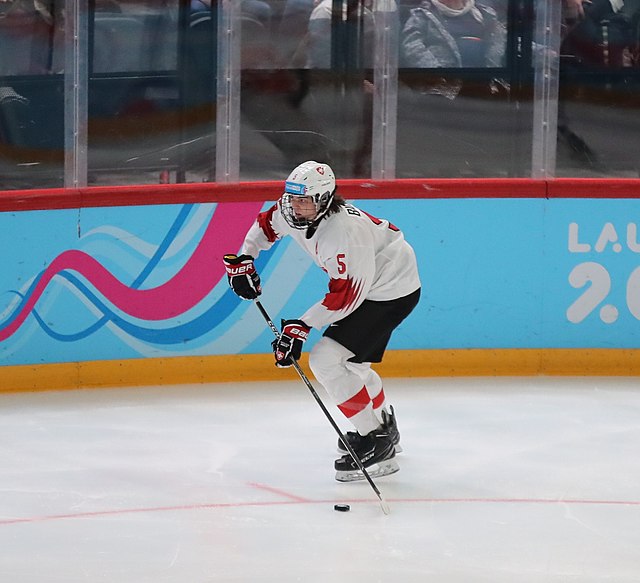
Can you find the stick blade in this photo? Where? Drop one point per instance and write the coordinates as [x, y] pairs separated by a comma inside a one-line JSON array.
[[385, 506]]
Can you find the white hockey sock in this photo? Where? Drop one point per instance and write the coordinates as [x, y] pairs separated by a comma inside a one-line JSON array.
[[328, 361], [371, 379]]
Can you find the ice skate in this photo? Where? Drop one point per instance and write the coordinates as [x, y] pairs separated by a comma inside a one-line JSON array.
[[389, 426], [376, 452]]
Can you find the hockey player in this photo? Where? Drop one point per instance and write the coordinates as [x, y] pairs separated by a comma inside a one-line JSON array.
[[373, 286]]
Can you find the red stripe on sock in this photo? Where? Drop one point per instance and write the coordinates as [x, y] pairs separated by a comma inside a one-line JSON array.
[[378, 399], [355, 404]]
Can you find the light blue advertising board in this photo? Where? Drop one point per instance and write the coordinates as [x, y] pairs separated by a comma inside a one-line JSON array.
[[131, 282]]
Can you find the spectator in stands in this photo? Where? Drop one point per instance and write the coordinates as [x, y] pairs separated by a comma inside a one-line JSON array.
[[572, 10], [257, 9], [31, 32], [316, 47], [453, 33], [42, 7], [588, 28], [292, 29], [600, 33], [318, 40]]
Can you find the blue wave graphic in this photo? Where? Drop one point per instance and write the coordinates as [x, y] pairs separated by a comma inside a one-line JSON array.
[[24, 297], [174, 335]]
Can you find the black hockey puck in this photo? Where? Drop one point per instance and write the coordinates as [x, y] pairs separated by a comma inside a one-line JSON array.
[[342, 507]]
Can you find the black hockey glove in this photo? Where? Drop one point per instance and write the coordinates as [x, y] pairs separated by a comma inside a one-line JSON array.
[[243, 277], [289, 346]]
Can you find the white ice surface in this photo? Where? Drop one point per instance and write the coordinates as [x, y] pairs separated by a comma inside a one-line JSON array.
[[533, 480]]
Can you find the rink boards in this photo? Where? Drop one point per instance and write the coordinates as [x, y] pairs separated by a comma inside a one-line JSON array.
[[521, 278]]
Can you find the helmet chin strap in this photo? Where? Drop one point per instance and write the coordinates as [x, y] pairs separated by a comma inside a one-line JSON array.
[[313, 227]]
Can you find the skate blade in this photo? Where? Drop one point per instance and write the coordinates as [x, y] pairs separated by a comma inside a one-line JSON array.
[[378, 470], [344, 451]]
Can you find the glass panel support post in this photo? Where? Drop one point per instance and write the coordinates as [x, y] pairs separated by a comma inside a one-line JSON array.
[[546, 62], [228, 92], [385, 90], [76, 90]]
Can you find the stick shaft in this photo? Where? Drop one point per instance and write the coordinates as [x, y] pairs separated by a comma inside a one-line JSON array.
[[328, 415]]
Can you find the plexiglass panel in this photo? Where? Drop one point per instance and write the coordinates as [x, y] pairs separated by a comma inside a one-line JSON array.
[[464, 93], [306, 86], [137, 126], [31, 94], [376, 88], [599, 102]]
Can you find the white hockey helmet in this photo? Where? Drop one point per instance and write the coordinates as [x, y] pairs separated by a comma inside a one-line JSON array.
[[312, 179]]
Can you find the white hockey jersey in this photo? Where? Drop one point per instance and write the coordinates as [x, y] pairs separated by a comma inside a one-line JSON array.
[[366, 258]]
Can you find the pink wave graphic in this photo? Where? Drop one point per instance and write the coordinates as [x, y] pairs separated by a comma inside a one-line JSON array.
[[197, 277]]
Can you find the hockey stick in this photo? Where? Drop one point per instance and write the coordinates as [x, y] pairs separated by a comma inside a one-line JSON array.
[[303, 376]]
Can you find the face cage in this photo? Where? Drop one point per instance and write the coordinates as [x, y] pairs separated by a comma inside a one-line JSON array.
[[290, 215], [321, 202]]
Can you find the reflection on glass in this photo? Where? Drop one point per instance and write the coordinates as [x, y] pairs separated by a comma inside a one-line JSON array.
[[598, 117], [30, 37], [31, 96], [312, 99], [459, 113], [600, 33], [453, 33], [361, 22], [306, 74], [138, 35], [135, 110]]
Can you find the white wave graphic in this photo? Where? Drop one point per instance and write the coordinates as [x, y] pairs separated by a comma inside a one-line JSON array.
[[15, 299], [186, 235]]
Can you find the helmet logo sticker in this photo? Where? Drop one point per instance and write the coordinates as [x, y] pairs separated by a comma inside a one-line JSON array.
[[320, 170], [294, 187]]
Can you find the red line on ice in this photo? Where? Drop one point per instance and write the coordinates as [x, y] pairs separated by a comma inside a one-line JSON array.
[[295, 500]]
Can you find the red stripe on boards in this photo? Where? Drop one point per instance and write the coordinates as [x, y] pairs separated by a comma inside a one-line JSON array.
[[415, 188]]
